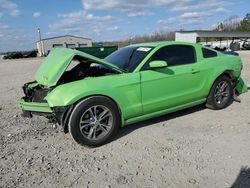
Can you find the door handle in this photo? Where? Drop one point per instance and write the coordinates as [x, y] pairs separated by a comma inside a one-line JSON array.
[[195, 71]]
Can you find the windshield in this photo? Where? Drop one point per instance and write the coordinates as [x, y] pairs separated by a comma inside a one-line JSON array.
[[128, 58]]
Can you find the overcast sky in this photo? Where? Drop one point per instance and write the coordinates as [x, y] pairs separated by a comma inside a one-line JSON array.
[[103, 20]]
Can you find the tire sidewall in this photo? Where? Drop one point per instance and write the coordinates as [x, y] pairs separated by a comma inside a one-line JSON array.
[[76, 115]]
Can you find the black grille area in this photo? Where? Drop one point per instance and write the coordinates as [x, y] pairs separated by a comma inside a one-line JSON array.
[[28, 92], [39, 94], [35, 94]]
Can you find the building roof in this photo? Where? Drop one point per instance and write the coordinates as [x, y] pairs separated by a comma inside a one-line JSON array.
[[65, 36], [219, 34]]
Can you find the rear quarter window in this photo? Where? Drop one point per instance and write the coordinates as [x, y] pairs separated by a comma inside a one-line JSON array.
[[208, 53]]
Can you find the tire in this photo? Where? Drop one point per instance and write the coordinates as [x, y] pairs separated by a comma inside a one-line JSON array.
[[221, 89], [94, 121]]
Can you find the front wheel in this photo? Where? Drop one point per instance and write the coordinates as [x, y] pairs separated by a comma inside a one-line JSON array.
[[221, 94], [94, 121]]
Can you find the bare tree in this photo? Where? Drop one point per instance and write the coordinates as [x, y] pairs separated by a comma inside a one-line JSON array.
[[232, 23]]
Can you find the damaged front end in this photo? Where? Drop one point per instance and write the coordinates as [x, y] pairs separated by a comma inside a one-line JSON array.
[[33, 103], [56, 71]]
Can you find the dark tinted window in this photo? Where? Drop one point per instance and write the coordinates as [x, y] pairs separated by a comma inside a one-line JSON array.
[[176, 55], [208, 53], [128, 58]]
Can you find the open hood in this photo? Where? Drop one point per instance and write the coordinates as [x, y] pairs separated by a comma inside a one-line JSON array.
[[57, 62]]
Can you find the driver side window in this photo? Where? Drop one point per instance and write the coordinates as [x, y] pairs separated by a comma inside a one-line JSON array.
[[175, 55]]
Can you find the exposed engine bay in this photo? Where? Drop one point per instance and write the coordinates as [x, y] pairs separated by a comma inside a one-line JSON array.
[[80, 68], [36, 93]]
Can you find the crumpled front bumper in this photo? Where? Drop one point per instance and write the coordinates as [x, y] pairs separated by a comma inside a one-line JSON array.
[[58, 115], [33, 107], [33, 103]]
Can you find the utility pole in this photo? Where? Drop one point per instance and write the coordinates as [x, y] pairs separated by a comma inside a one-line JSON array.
[[40, 41]]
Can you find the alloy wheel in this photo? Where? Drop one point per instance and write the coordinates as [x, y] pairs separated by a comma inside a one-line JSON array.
[[96, 122], [222, 92]]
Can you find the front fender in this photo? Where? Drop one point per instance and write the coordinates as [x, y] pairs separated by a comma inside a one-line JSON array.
[[124, 89], [68, 94]]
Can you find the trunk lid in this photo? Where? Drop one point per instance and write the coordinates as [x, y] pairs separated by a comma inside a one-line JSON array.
[[51, 70]]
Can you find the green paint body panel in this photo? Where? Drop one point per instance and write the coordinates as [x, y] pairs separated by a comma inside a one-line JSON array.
[[162, 112], [142, 94]]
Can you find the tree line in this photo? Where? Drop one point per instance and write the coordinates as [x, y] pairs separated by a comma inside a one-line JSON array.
[[156, 36], [234, 23]]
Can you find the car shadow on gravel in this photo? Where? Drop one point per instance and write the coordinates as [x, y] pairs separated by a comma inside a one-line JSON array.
[[243, 179], [130, 128]]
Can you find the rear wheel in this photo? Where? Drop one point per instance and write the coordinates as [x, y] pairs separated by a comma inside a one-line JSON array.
[[94, 121], [221, 94]]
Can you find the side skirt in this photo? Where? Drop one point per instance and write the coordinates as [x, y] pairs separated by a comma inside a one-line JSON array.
[[163, 112]]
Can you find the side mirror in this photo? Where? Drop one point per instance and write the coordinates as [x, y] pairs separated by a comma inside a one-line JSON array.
[[158, 64]]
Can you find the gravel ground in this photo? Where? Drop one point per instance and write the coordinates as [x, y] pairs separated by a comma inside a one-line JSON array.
[[196, 147]]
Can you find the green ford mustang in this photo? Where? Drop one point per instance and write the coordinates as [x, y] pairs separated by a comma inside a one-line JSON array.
[[91, 97]]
